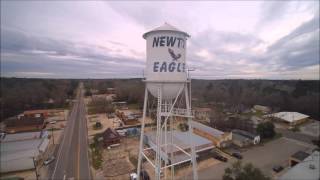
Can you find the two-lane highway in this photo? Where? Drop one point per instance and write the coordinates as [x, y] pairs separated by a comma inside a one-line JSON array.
[[72, 159]]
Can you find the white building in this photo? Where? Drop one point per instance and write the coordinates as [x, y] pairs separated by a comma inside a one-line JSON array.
[[292, 118], [243, 138], [264, 109], [308, 169]]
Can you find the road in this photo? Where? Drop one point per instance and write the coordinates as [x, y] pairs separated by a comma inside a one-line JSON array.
[[296, 136], [72, 159]]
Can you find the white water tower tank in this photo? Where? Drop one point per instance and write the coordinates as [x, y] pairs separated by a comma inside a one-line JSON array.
[[166, 60]]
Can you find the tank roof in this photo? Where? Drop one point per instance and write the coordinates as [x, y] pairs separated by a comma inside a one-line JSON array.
[[165, 27]]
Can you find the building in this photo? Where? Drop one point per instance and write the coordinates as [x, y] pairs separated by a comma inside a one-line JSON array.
[[110, 137], [19, 151], [36, 113], [128, 117], [24, 124], [120, 105], [202, 114], [111, 90], [263, 109], [291, 118], [243, 138], [297, 158], [308, 169], [218, 138], [107, 97], [180, 139]]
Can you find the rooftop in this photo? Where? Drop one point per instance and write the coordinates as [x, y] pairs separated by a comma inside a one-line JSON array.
[[23, 136], [300, 155], [25, 121], [207, 129], [181, 139], [308, 169], [288, 116], [244, 133]]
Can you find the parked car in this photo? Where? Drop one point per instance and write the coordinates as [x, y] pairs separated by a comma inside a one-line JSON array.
[[237, 155], [219, 157], [52, 122], [143, 176], [277, 168], [49, 160]]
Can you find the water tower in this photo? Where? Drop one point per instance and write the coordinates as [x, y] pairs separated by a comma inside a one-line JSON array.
[[166, 77]]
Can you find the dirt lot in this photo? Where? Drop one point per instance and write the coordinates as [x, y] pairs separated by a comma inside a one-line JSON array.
[[104, 120], [116, 163]]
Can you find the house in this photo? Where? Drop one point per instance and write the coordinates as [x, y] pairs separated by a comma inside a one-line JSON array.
[[263, 109], [218, 138], [111, 90], [243, 138], [110, 137], [202, 114], [41, 113], [307, 169], [107, 97], [24, 124], [297, 158], [36, 113], [291, 118], [120, 105], [18, 151]]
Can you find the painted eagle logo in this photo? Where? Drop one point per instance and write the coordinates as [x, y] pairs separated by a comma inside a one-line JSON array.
[[174, 56]]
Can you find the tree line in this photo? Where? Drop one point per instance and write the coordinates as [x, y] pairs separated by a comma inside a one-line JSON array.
[[20, 94]]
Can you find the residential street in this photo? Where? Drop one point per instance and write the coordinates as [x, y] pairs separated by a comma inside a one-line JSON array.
[[72, 159]]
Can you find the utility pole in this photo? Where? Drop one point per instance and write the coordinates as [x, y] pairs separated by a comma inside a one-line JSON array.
[[35, 167], [52, 135]]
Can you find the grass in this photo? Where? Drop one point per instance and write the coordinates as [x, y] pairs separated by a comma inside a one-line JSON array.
[[133, 161], [96, 156], [133, 106]]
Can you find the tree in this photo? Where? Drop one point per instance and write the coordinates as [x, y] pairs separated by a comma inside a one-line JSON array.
[[183, 127], [243, 172], [88, 92], [98, 125], [266, 130]]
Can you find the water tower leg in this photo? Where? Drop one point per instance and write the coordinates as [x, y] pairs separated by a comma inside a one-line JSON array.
[[158, 135], [193, 152], [142, 132]]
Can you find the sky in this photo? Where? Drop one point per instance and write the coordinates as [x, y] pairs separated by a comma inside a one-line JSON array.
[[103, 39]]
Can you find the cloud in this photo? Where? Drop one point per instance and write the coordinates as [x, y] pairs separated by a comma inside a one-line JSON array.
[[21, 52], [103, 39]]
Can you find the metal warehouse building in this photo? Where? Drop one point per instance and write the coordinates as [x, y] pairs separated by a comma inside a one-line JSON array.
[[18, 153]]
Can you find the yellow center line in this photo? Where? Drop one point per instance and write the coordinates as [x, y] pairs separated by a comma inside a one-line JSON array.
[[78, 159]]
